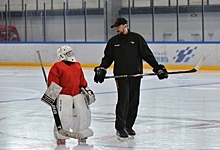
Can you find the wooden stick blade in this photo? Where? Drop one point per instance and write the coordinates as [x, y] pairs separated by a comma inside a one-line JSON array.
[[68, 134], [200, 62]]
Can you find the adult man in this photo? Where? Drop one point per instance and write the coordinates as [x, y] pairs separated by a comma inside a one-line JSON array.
[[73, 111], [127, 49]]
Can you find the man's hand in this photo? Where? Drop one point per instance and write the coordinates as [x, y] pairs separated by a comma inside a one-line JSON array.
[[161, 72], [100, 73]]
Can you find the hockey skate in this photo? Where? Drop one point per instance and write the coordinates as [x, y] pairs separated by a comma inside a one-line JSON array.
[[61, 142], [82, 141], [131, 133], [122, 135]]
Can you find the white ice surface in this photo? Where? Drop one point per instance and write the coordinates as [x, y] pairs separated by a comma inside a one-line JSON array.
[[180, 113]]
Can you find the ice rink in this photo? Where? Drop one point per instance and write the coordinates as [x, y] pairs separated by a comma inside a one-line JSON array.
[[179, 113]]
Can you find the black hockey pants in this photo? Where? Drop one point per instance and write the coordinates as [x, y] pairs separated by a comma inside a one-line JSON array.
[[128, 101]]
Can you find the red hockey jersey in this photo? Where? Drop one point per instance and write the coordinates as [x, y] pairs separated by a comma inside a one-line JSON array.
[[70, 78]]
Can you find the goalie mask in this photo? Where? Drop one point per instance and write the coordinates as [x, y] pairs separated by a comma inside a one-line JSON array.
[[66, 53]]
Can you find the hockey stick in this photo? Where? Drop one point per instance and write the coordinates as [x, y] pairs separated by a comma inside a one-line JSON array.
[[195, 69], [54, 110]]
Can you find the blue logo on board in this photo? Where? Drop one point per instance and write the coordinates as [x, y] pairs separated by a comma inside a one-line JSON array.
[[184, 55]]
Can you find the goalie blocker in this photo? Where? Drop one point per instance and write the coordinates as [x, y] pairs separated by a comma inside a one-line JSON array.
[[51, 94]]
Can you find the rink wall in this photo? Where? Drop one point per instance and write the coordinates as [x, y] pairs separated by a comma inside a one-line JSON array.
[[174, 55]]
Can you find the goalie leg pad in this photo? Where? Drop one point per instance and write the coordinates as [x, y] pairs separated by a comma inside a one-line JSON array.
[[83, 115], [86, 133], [65, 106], [65, 111], [75, 126]]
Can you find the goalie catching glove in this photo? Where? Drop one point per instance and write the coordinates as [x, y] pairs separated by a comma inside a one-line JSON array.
[[89, 95], [100, 73], [161, 72]]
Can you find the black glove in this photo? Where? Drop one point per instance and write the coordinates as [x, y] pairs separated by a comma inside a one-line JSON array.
[[100, 73], [161, 72]]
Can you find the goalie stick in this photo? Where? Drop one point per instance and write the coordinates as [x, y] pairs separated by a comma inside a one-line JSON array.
[[54, 110], [195, 69]]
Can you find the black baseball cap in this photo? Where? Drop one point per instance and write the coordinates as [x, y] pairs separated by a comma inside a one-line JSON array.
[[118, 22]]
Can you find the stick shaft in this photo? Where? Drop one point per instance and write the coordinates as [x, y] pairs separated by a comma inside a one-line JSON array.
[[195, 69], [42, 66]]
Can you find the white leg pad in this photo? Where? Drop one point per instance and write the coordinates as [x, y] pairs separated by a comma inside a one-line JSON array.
[[83, 115], [65, 111], [78, 118], [65, 106], [85, 133]]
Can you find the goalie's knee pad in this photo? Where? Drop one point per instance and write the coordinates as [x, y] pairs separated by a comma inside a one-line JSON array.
[[83, 114]]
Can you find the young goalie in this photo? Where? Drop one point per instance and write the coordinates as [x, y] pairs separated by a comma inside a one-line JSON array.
[[73, 100]]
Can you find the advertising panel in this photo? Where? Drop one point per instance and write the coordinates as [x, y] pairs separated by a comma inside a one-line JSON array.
[[185, 54], [173, 54]]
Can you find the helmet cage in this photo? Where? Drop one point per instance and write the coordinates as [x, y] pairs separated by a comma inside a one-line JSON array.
[[66, 53]]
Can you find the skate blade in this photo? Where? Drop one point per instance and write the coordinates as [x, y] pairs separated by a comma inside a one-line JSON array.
[[131, 137], [122, 139], [84, 144]]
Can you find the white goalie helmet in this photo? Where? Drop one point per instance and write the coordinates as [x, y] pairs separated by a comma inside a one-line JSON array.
[[66, 53]]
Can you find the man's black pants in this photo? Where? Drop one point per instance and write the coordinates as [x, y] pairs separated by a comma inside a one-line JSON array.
[[128, 101]]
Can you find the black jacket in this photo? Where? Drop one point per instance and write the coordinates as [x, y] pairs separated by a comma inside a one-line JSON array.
[[127, 51]]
